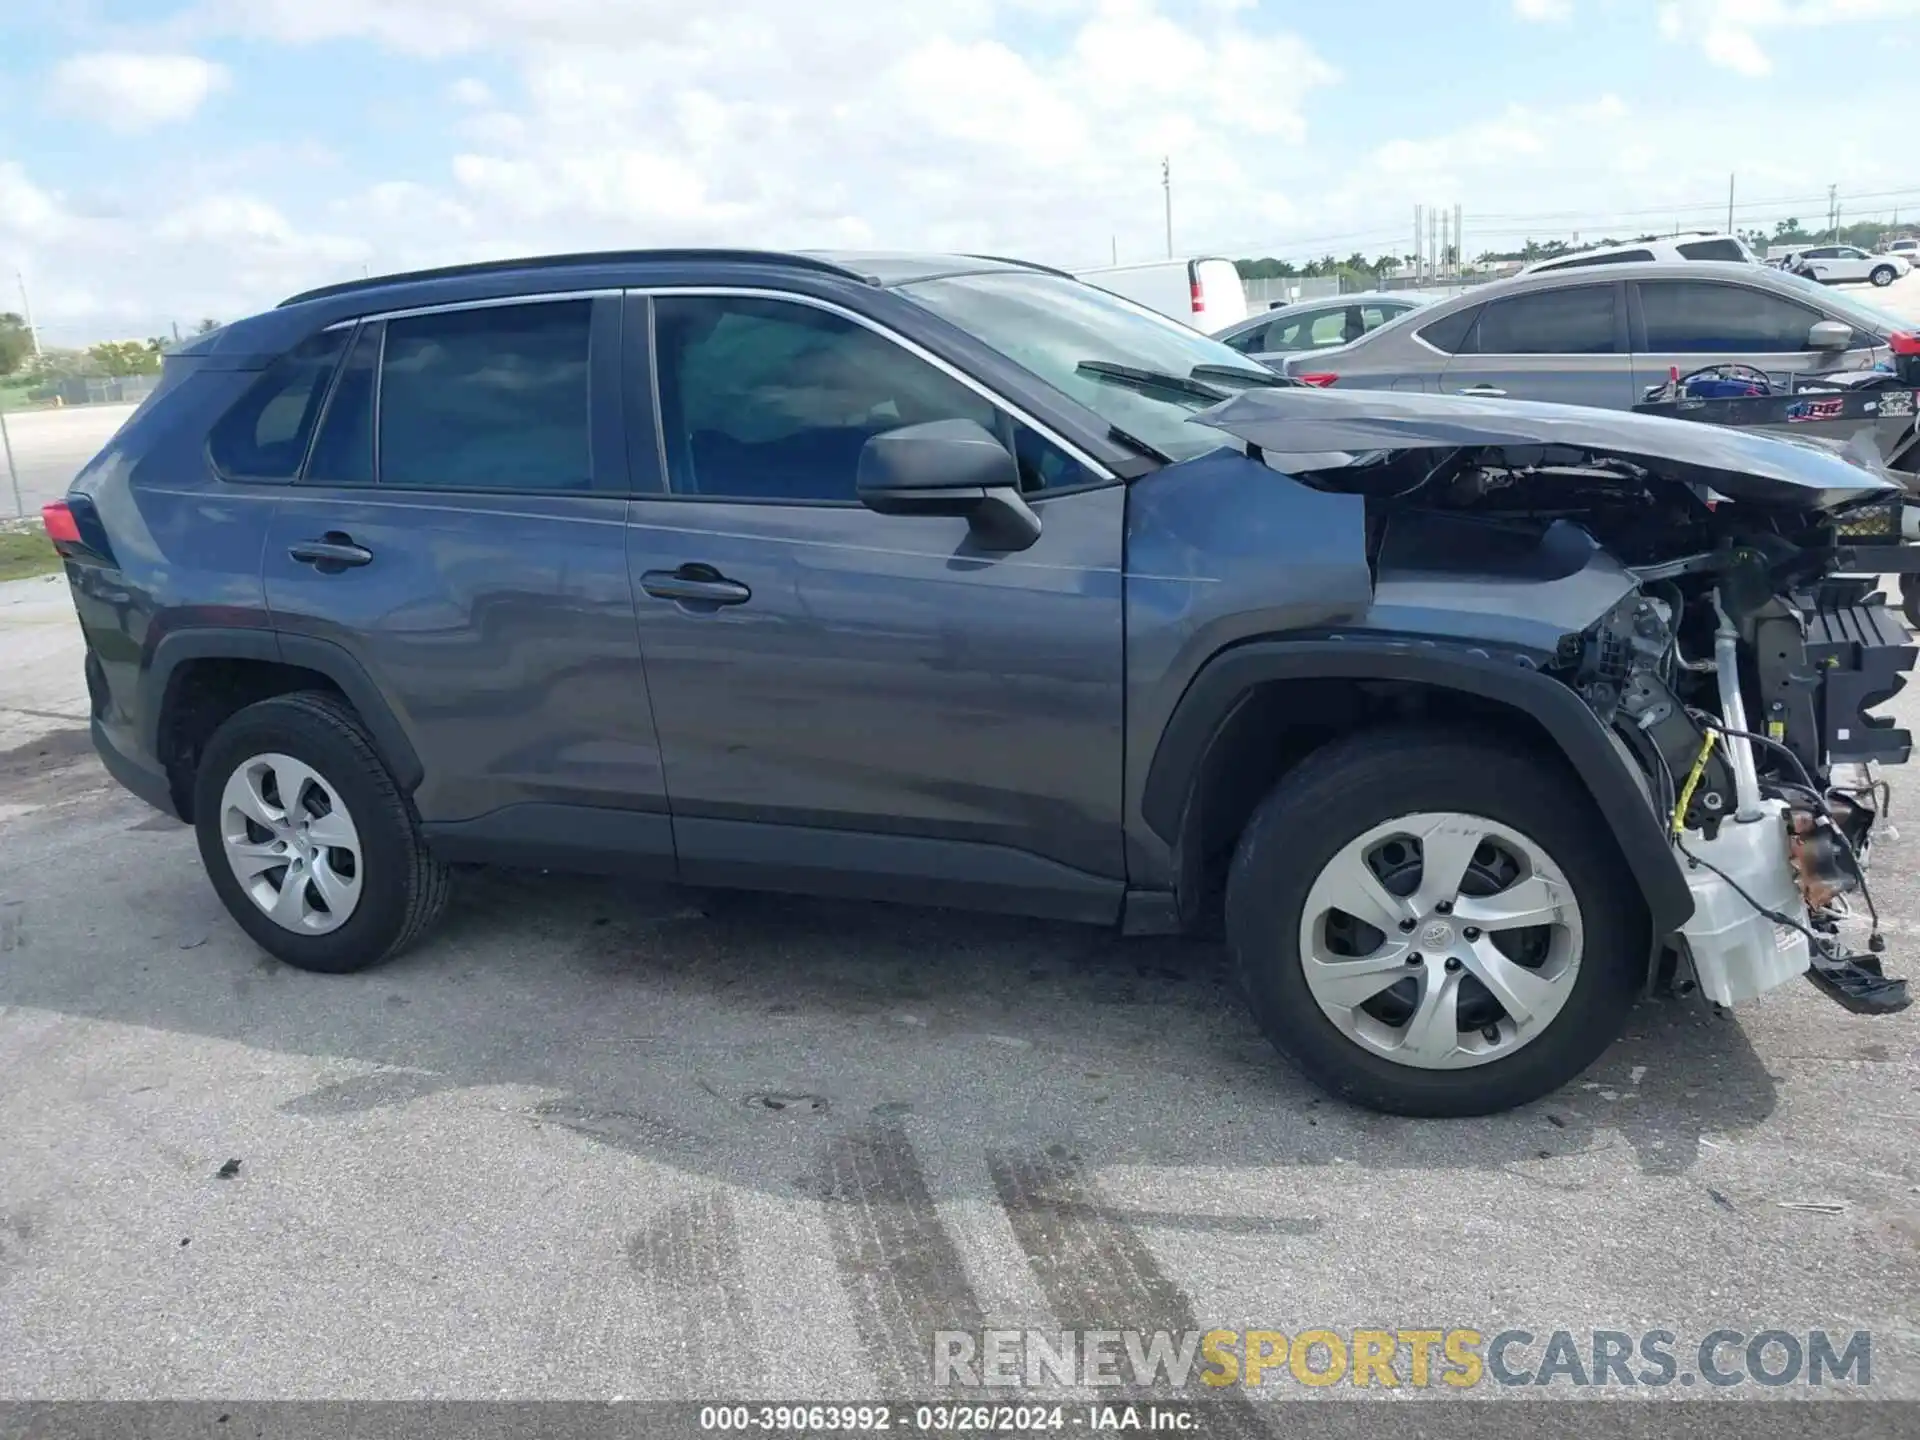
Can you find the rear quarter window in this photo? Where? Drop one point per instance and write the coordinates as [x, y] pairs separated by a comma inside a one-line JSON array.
[[265, 435], [1449, 333]]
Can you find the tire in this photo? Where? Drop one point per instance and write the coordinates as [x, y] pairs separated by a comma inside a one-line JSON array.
[[1324, 811], [1883, 276], [374, 888]]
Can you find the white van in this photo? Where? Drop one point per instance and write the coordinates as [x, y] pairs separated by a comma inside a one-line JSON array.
[[1204, 292]]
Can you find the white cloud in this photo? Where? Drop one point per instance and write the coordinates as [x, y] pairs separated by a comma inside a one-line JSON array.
[[1729, 33], [1028, 127], [1544, 11], [129, 92]]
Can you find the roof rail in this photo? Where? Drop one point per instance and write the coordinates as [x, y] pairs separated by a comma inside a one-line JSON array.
[[1023, 264], [575, 261]]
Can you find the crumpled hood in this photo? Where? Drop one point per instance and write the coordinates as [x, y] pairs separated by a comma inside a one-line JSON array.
[[1769, 470]]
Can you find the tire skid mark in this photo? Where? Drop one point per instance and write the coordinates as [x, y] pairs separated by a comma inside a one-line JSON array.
[[1098, 1274], [903, 1275], [689, 1259]]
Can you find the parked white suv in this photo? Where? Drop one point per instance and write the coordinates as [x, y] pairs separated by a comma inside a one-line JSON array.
[[1839, 264], [1683, 247]]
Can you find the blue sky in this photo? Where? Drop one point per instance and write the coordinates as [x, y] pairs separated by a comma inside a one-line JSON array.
[[166, 159]]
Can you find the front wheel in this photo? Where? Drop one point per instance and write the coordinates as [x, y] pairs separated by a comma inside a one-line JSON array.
[[1431, 926], [1882, 276]]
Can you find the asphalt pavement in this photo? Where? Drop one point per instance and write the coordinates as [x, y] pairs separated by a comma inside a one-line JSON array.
[[601, 1139]]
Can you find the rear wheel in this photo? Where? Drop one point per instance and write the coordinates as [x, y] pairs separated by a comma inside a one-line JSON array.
[[1882, 275], [308, 842], [1433, 926]]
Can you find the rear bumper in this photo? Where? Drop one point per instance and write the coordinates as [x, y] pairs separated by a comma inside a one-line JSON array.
[[149, 784]]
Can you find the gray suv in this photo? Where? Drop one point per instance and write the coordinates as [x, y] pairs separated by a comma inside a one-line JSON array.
[[956, 581]]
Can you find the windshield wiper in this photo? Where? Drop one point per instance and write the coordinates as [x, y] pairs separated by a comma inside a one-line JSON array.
[[1244, 377], [1164, 381]]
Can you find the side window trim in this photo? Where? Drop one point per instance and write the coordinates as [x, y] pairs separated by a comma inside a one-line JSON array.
[[998, 401]]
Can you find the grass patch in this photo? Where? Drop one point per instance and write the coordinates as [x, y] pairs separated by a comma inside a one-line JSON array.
[[24, 553]]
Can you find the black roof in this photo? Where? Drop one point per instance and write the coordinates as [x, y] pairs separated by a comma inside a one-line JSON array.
[[885, 268]]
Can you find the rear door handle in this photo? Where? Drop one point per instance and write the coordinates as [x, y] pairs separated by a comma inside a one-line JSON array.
[[1488, 392], [700, 584], [333, 551]]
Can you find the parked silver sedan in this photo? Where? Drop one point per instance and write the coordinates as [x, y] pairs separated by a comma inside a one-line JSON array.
[[1318, 324], [1602, 336]]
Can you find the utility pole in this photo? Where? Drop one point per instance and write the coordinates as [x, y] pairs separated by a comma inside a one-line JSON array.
[[1459, 243], [1833, 212], [1730, 204], [1166, 184], [1433, 238], [26, 313], [6, 445], [1419, 245], [1116, 248], [1444, 255]]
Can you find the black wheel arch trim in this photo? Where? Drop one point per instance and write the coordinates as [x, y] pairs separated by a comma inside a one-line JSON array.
[[308, 652], [1226, 680]]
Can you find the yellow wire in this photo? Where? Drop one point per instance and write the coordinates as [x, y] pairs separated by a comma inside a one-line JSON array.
[[1693, 782]]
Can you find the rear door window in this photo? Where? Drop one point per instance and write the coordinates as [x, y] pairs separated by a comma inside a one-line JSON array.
[[264, 436], [1696, 317], [1578, 320], [491, 398], [1712, 250]]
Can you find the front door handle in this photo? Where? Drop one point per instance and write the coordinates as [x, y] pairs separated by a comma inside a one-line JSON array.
[[1485, 392], [698, 584], [332, 552]]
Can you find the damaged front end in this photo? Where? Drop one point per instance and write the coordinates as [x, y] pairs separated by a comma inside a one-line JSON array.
[[1688, 583]]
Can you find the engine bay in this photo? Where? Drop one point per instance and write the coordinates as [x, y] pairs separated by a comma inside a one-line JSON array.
[[1720, 642]]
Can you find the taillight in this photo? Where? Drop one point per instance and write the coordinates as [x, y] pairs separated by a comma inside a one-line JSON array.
[[61, 528], [1319, 380], [1199, 298], [1904, 342]]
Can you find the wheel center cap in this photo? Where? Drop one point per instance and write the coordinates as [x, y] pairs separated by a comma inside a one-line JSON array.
[[1437, 936]]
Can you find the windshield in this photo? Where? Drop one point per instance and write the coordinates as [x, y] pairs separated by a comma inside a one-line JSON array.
[[1857, 312], [1054, 326]]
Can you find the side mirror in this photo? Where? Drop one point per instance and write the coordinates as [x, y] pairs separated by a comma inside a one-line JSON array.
[[1829, 335], [948, 467]]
